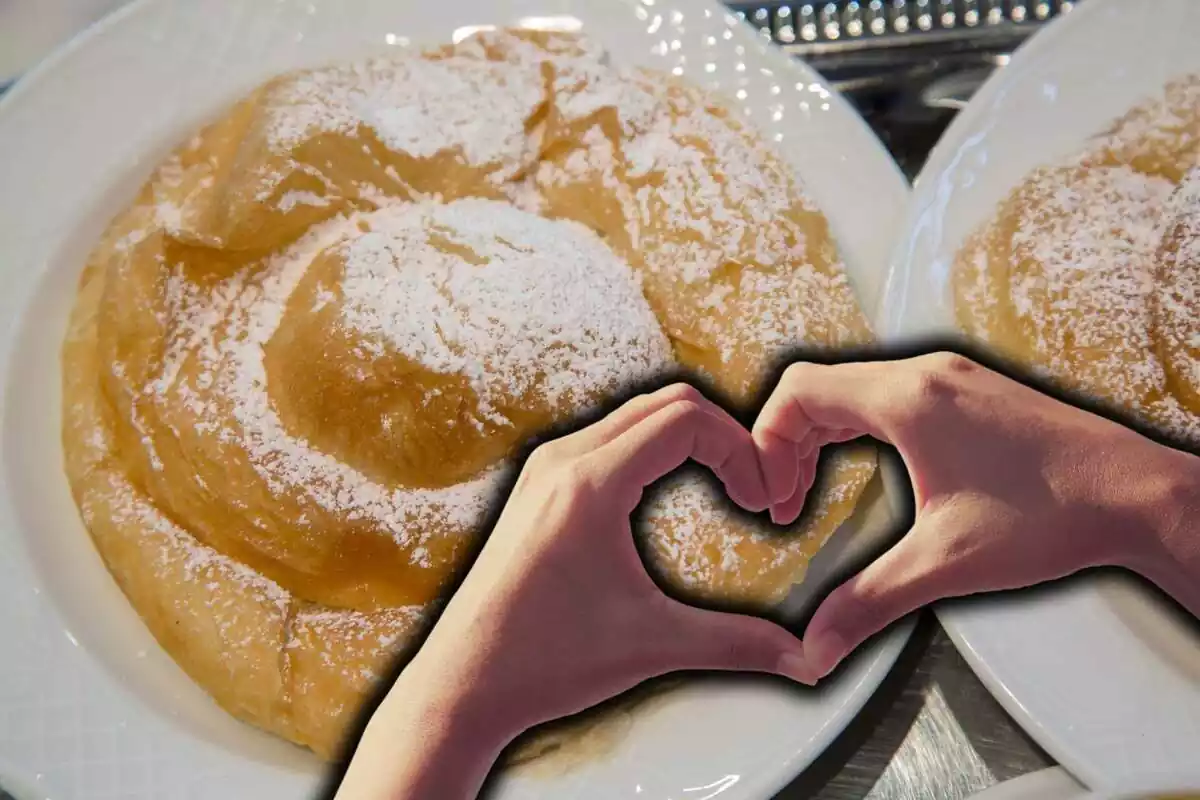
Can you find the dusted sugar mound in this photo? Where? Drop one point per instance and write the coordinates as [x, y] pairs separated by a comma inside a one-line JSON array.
[[301, 366], [439, 336]]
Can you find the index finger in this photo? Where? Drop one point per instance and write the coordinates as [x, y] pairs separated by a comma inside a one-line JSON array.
[[847, 397], [667, 438], [634, 411]]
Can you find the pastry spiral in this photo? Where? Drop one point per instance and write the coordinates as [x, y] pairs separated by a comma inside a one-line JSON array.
[[1088, 270], [300, 364]]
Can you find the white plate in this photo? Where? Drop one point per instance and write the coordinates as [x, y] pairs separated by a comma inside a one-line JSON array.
[[1055, 783], [89, 705], [1046, 784], [1097, 673], [30, 30]]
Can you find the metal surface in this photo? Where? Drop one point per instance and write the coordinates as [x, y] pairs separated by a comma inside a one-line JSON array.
[[931, 731]]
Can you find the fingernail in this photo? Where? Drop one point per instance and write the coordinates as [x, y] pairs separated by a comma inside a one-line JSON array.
[[794, 666], [823, 652]]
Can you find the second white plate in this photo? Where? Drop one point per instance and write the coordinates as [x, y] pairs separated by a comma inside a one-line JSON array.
[[1098, 672]]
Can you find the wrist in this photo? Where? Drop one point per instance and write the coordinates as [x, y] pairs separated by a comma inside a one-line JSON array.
[[1169, 552], [437, 733]]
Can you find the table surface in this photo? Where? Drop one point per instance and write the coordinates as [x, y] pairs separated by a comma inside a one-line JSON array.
[[932, 729]]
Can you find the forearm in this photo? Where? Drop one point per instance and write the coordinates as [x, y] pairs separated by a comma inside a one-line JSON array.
[[431, 737]]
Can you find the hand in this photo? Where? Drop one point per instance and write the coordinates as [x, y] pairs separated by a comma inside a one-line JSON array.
[[558, 612], [1012, 488]]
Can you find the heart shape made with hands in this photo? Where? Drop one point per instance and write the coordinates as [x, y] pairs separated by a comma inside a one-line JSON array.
[[689, 426], [565, 615]]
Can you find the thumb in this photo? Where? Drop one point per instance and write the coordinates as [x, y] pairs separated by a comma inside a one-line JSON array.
[[913, 573], [717, 640]]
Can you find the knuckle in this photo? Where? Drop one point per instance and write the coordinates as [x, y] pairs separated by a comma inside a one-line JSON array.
[[542, 458], [680, 392], [934, 382], [579, 477], [678, 411], [575, 472], [687, 408], [861, 607], [797, 375], [928, 383], [950, 362]]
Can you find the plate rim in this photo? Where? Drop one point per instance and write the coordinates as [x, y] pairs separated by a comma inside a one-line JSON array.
[[1048, 783]]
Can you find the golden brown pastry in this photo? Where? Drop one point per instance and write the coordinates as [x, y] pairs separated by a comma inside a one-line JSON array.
[[300, 364], [1158, 137], [1086, 272], [1175, 305]]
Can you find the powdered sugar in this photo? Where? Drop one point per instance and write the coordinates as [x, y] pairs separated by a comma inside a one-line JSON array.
[[696, 189], [416, 106], [233, 355], [1074, 258], [1176, 301], [553, 311], [291, 199], [1090, 236], [521, 305], [377, 633], [1159, 134], [381, 630], [514, 302], [694, 538], [719, 199], [128, 506], [703, 204]]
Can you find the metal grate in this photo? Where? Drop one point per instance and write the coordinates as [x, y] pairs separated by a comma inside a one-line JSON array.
[[879, 22], [908, 65]]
